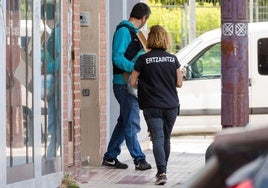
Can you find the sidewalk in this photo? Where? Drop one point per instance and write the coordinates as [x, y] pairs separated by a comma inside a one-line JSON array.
[[187, 158]]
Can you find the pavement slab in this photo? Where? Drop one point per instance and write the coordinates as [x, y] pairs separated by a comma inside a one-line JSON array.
[[187, 158]]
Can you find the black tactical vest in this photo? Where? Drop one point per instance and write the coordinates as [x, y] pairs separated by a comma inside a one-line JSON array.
[[133, 48]]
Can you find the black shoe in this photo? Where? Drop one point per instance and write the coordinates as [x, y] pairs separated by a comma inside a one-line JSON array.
[[114, 163], [161, 179], [142, 165]]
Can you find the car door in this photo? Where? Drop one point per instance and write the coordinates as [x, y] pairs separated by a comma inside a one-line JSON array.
[[201, 91], [259, 72]]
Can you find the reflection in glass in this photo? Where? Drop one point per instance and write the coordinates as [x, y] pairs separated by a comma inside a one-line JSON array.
[[19, 119], [50, 85]]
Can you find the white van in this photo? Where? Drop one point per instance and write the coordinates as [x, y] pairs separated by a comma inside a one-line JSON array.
[[201, 65]]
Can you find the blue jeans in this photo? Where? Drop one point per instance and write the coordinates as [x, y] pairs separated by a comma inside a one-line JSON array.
[[54, 126], [160, 123], [127, 127]]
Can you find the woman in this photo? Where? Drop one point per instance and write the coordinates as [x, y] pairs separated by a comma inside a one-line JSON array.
[[156, 74]]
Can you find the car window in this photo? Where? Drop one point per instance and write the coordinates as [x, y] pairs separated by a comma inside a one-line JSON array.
[[207, 64], [263, 56]]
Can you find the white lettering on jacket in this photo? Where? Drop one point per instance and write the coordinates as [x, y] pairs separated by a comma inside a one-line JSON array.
[[160, 59]]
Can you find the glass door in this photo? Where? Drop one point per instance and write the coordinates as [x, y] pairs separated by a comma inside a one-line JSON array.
[[21, 126], [51, 87], [19, 100]]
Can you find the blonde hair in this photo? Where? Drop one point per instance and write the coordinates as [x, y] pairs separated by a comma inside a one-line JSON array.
[[159, 38]]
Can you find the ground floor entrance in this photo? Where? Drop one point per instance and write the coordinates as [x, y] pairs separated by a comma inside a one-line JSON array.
[[31, 115]]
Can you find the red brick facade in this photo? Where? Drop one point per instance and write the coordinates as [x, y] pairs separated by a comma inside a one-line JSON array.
[[76, 80], [103, 76]]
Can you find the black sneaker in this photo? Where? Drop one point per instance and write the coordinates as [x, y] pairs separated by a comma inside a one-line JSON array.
[[114, 163], [142, 165], [161, 179]]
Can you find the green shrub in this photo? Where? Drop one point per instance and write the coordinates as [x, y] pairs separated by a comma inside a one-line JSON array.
[[174, 19]]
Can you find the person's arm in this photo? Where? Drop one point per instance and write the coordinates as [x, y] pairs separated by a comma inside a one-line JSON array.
[[179, 78], [121, 40], [134, 79], [58, 48], [52, 63]]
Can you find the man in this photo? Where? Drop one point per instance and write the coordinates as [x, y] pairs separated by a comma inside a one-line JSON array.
[[126, 48]]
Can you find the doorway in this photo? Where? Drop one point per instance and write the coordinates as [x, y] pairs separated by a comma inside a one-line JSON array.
[[33, 96]]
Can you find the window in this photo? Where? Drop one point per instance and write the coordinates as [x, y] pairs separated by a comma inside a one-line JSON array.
[[207, 64], [263, 56]]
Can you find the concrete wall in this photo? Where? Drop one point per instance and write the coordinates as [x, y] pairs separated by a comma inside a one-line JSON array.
[[90, 106], [100, 110]]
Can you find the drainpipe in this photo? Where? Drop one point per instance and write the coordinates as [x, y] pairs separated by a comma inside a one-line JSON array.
[[234, 67]]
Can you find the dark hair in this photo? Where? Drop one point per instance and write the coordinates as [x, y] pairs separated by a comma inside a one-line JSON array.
[[49, 9], [139, 10]]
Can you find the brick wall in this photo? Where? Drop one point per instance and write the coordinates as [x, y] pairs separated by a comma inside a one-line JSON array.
[[75, 6], [76, 81], [103, 76]]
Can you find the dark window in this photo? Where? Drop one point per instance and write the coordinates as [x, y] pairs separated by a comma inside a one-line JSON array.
[[263, 56]]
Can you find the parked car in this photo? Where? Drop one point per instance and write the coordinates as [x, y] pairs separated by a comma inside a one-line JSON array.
[[201, 66]]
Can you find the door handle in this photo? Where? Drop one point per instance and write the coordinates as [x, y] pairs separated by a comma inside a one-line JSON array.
[[250, 82]]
